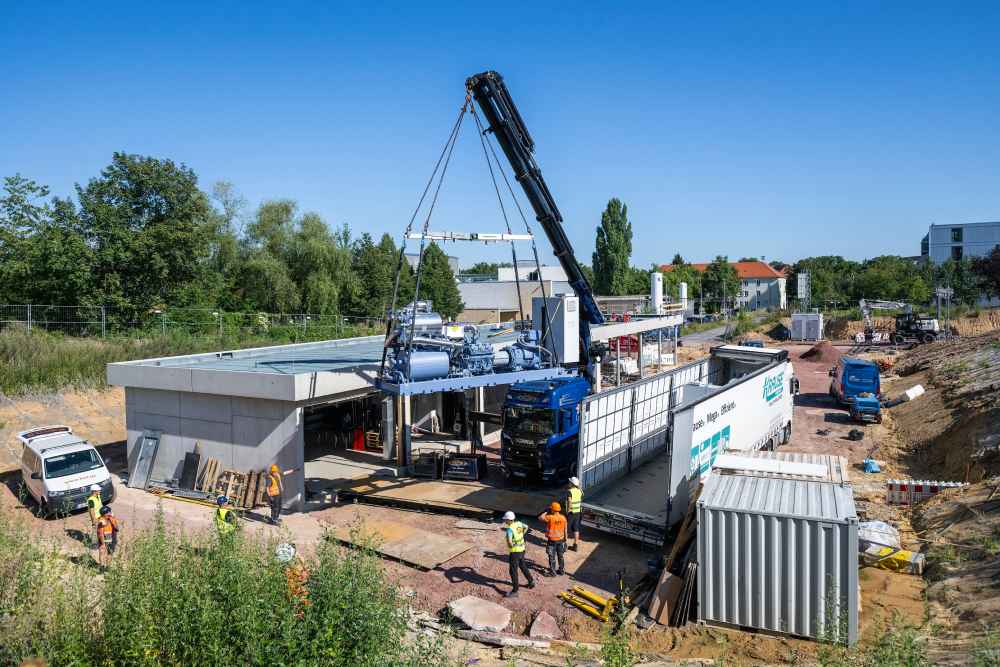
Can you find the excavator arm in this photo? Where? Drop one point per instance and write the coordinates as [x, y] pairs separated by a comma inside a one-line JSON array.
[[505, 123]]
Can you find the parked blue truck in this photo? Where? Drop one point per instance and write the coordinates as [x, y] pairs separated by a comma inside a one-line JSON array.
[[541, 427], [857, 385]]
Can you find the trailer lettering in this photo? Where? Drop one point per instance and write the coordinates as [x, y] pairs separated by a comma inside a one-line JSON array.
[[774, 387]]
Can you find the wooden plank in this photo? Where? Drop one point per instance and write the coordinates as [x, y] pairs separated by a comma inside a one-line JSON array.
[[406, 543], [665, 597], [448, 495]]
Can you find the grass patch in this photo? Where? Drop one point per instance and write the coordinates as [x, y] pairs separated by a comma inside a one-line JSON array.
[[174, 599], [38, 361]]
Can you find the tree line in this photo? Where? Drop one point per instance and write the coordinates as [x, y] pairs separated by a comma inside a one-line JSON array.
[[142, 235]]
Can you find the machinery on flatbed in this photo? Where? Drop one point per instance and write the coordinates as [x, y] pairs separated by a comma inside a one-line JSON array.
[[909, 327]]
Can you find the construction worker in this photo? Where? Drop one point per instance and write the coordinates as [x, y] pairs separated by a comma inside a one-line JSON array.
[[555, 535], [574, 504], [107, 536], [94, 504], [296, 576], [225, 517], [515, 532], [275, 492]]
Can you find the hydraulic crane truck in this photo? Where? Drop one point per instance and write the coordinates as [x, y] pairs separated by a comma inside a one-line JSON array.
[[540, 421], [909, 327]]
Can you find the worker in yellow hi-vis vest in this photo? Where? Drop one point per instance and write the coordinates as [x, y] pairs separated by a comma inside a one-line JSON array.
[[574, 505], [515, 532]]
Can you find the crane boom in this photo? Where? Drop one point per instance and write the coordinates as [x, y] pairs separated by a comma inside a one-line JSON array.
[[505, 122]]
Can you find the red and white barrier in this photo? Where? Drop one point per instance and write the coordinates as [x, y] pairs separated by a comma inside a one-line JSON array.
[[909, 491]]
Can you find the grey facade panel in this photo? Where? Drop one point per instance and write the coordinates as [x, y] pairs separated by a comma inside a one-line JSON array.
[[779, 555]]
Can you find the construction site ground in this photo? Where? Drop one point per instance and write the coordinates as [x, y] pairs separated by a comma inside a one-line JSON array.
[[900, 444]]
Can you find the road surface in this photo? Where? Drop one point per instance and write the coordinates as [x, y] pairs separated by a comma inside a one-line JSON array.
[[707, 336]]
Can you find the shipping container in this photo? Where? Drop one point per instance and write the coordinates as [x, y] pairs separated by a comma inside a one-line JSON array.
[[778, 555]]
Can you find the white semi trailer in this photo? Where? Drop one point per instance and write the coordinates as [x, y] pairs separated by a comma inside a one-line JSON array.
[[645, 446]]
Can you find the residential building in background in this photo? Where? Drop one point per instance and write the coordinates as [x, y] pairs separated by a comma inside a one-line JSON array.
[[971, 239], [761, 286]]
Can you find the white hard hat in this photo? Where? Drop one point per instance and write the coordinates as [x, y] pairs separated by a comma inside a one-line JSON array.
[[508, 516], [575, 481], [284, 552], [95, 487]]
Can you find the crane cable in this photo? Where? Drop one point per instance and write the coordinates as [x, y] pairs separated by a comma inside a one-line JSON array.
[[503, 211], [423, 233], [445, 151], [547, 319]]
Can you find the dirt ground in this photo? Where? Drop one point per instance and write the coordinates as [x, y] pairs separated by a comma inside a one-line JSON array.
[[97, 416], [820, 426]]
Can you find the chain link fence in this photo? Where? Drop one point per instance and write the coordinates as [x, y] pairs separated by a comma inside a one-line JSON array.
[[104, 321]]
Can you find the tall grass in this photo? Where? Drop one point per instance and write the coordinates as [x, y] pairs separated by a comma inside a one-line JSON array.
[[170, 599], [39, 361]]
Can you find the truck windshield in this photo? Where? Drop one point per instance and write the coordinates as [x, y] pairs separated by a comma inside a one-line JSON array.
[[529, 420], [71, 464]]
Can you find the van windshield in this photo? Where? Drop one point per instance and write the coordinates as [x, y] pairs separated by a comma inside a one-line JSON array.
[[71, 464]]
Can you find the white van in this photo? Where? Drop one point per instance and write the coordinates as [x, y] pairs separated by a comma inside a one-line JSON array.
[[58, 469]]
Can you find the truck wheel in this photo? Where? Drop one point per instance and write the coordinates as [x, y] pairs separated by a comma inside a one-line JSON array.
[[928, 338], [897, 339]]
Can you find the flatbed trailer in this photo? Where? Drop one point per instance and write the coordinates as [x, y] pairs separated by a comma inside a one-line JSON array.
[[645, 446]]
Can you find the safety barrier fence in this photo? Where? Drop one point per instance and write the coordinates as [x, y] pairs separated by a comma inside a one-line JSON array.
[[909, 491]]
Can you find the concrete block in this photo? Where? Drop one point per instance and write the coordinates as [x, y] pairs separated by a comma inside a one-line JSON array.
[[154, 401], [480, 614], [544, 627]]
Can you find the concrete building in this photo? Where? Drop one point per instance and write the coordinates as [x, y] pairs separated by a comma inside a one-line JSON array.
[[489, 301], [761, 286], [289, 404], [526, 270], [972, 239]]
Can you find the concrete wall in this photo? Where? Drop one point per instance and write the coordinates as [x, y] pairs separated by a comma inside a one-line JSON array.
[[243, 433]]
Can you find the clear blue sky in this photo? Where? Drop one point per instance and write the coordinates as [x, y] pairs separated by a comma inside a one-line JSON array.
[[783, 130]]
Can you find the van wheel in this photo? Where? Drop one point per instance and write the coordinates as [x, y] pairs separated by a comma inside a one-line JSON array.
[[786, 434], [42, 510]]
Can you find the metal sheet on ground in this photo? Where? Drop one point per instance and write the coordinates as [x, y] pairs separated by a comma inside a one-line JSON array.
[[644, 491], [448, 495], [406, 543]]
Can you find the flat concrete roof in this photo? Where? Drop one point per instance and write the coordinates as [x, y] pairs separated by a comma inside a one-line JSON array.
[[300, 372]]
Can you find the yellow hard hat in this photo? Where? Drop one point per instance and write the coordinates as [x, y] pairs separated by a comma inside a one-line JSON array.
[[274, 467]]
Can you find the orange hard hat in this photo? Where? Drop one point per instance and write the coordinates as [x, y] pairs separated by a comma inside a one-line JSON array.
[[555, 507], [274, 467]]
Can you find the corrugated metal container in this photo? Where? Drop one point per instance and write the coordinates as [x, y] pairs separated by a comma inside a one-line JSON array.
[[837, 467], [779, 555], [807, 326]]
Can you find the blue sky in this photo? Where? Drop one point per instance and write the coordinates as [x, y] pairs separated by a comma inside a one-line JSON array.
[[784, 130]]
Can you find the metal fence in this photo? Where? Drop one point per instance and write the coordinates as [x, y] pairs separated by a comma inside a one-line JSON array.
[[111, 321]]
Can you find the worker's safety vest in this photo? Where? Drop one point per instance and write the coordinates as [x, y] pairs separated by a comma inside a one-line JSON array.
[[223, 526], [272, 488], [106, 527], [575, 500], [555, 527], [94, 504], [515, 537]]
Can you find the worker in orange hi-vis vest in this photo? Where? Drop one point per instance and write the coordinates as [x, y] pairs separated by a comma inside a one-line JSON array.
[[555, 535], [107, 536]]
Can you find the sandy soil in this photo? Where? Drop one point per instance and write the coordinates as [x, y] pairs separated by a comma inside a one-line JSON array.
[[98, 416]]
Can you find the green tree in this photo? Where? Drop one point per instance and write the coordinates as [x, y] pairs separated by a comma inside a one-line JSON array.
[[891, 277], [961, 275], [375, 268], [678, 260], [637, 281], [613, 250], [265, 284], [988, 270], [720, 283], [490, 269], [831, 278], [149, 228], [437, 283], [681, 273]]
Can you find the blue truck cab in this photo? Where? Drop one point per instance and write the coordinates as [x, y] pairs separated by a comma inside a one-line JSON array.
[[853, 378], [541, 425]]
